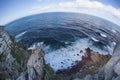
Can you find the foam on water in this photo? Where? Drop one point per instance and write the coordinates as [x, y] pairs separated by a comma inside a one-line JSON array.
[[103, 35], [20, 35], [94, 39], [64, 58], [61, 32]]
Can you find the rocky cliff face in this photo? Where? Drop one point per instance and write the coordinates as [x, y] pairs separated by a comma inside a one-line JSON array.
[[111, 70], [9, 68], [16, 63], [35, 65]]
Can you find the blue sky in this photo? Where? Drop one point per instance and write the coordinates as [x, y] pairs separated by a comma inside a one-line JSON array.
[[14, 9]]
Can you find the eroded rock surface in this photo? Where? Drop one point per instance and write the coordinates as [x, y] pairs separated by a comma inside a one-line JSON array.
[[16, 63], [117, 68], [8, 64], [111, 70], [35, 65]]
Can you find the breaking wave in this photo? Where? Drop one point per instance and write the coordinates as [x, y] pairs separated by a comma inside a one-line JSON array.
[[66, 57], [63, 35]]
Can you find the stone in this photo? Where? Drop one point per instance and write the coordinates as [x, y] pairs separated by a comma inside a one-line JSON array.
[[35, 65], [96, 77], [76, 79], [88, 77], [116, 51], [118, 78], [12, 61], [109, 67], [6, 59], [5, 41], [21, 77], [117, 68], [101, 74]]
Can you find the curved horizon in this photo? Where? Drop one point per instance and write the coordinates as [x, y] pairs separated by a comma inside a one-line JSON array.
[[55, 12], [10, 11]]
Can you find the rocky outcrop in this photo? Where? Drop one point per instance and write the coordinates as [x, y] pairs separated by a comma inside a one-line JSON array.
[[16, 62], [35, 65], [112, 67], [117, 68], [90, 64], [111, 70], [8, 64], [88, 77]]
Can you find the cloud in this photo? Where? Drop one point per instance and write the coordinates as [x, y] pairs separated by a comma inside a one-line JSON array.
[[41, 8], [40, 0], [88, 4], [91, 7]]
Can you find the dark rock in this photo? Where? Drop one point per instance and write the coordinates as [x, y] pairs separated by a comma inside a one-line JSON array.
[[88, 77]]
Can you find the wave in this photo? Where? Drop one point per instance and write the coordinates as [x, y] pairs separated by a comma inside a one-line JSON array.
[[20, 35], [63, 36], [66, 57]]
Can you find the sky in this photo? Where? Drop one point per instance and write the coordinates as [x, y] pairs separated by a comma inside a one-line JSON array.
[[14, 9]]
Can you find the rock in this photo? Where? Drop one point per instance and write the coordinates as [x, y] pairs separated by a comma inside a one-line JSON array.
[[5, 41], [88, 77], [118, 78], [35, 65], [109, 67], [10, 64], [12, 61], [101, 74], [95, 77], [109, 72], [117, 68], [21, 77], [90, 63], [116, 51], [92, 57], [76, 79]]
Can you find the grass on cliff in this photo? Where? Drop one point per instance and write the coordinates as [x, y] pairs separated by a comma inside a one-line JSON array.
[[51, 75], [1, 57], [15, 52]]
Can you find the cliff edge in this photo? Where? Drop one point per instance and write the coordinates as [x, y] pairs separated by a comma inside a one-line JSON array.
[[16, 63]]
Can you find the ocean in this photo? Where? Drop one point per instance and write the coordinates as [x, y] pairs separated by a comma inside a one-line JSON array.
[[63, 35]]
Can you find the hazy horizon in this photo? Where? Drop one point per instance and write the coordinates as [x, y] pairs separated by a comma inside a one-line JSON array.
[[15, 9]]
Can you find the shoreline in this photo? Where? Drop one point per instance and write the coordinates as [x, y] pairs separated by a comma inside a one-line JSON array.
[[91, 61]]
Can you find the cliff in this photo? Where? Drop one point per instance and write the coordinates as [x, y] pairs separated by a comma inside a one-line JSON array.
[[16, 63], [111, 70]]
